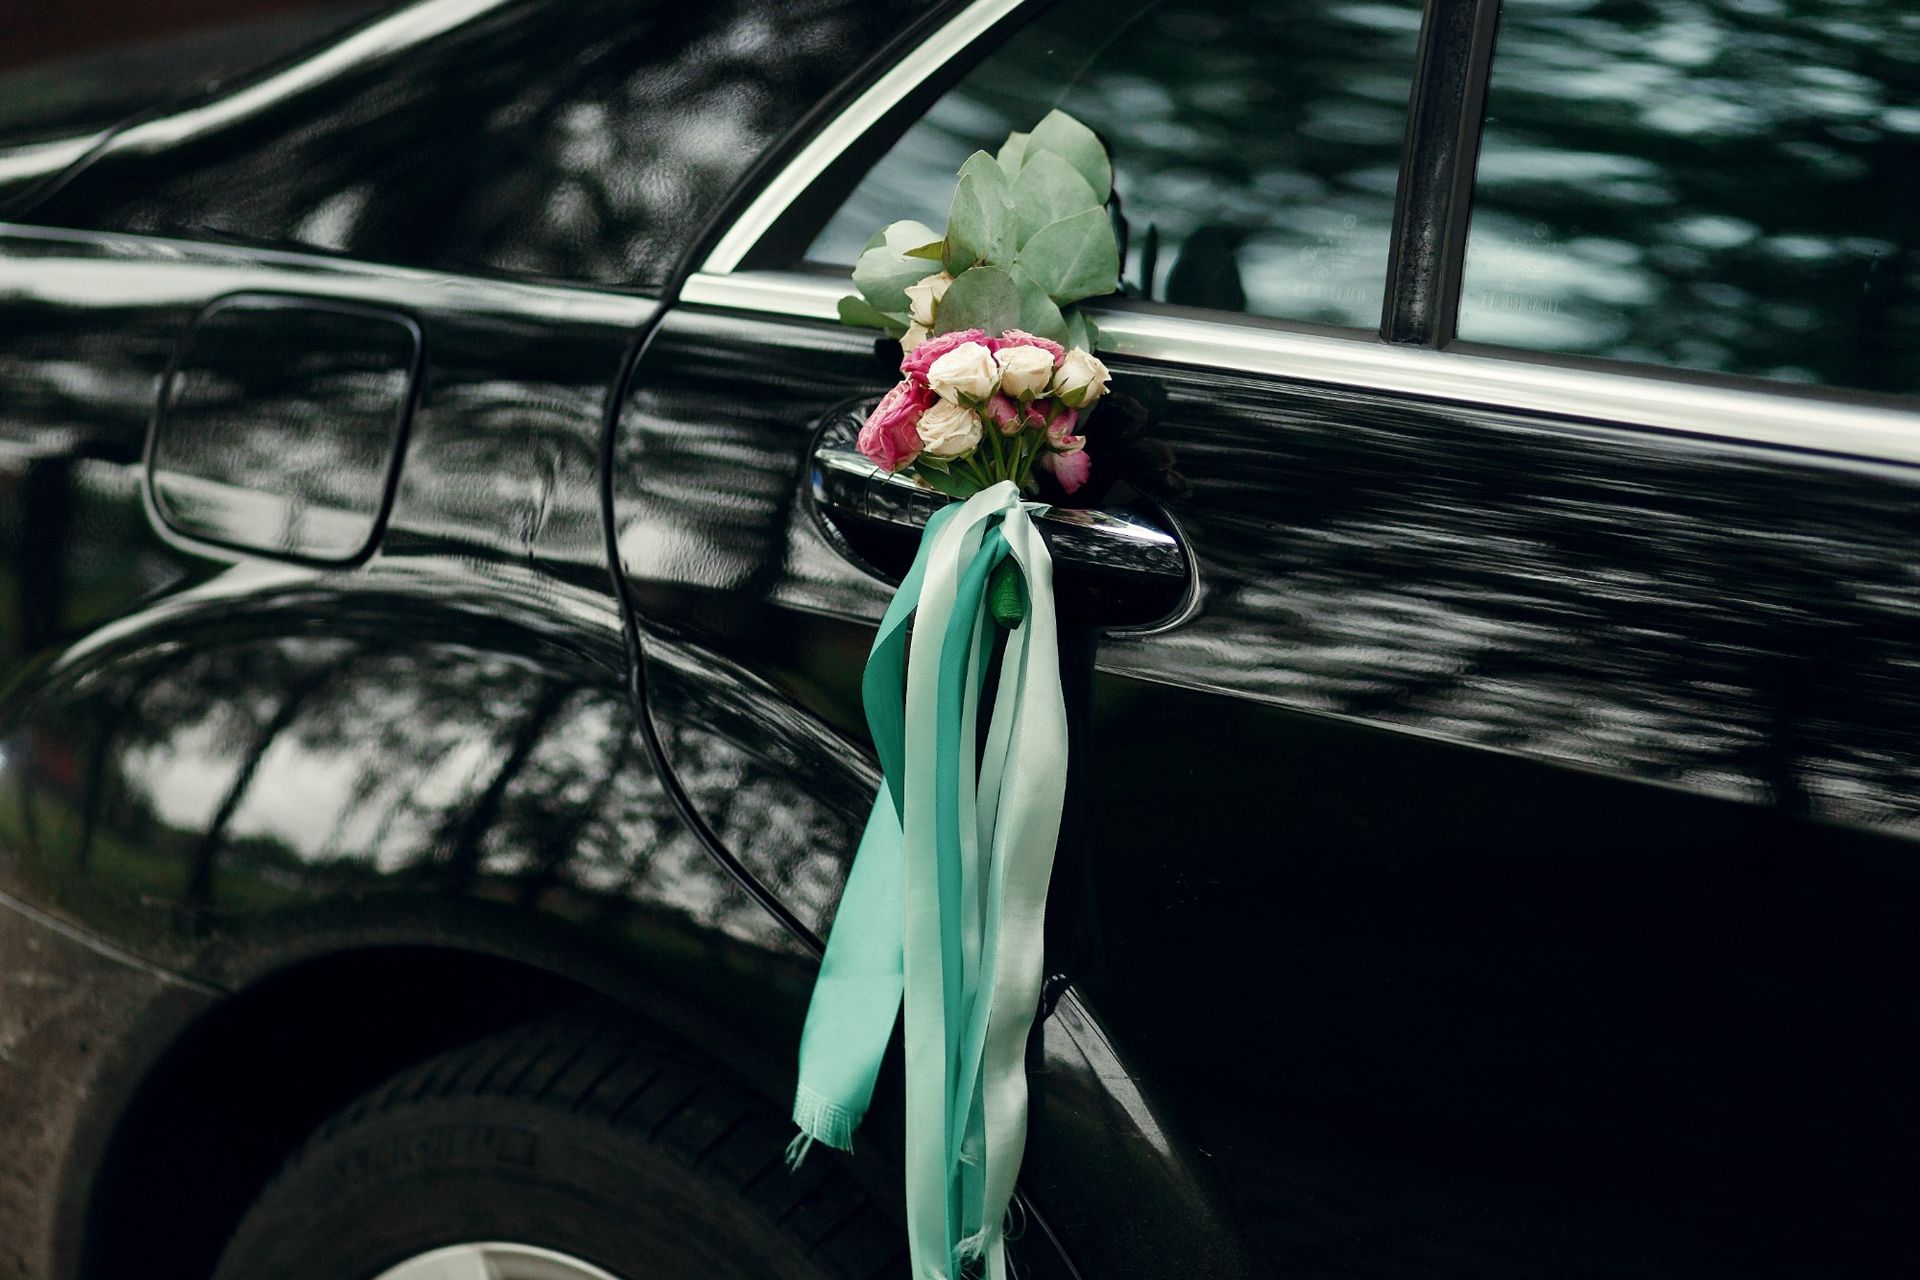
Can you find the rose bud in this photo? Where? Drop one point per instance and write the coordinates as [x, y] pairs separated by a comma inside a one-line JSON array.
[[923, 298], [1080, 380], [1006, 414], [1025, 370], [949, 430], [888, 438], [1071, 470], [965, 373]]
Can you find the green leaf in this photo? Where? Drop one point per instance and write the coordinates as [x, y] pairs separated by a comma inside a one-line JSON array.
[[1013, 154], [1074, 258], [980, 220], [1078, 330], [951, 483], [1073, 142], [934, 251], [1093, 333], [979, 298], [882, 277], [1047, 190], [1038, 315], [883, 272], [861, 314]]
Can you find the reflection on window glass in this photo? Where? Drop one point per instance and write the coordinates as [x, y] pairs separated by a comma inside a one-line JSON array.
[[1255, 148], [1729, 185]]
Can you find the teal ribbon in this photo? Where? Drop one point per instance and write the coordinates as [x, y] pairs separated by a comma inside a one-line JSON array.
[[945, 905]]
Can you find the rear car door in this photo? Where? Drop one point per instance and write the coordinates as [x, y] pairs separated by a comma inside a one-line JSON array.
[[1500, 862]]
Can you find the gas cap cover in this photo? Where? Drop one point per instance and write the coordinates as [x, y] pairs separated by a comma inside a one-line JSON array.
[[281, 424]]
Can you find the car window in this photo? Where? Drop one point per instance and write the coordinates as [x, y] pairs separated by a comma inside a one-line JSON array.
[[573, 140], [74, 66], [1729, 186], [1256, 147]]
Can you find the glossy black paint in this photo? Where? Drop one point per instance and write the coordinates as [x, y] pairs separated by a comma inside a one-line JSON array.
[[1500, 864], [585, 141], [1508, 859], [281, 426]]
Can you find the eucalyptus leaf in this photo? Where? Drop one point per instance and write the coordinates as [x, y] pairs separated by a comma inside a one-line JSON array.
[[861, 314], [1013, 154], [1079, 335], [906, 234], [980, 220], [1038, 314], [979, 298], [934, 251], [882, 277], [953, 484], [883, 271], [1074, 258], [1073, 142], [1047, 190]]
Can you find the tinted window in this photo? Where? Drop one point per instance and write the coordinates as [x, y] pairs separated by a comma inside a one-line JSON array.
[[1255, 148], [1729, 186], [572, 139]]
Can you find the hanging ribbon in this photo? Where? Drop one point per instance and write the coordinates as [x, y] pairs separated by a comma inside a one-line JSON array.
[[947, 896]]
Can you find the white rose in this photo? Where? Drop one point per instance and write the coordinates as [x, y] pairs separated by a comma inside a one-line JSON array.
[[1081, 380], [1024, 371], [968, 370], [913, 337], [949, 430], [924, 296]]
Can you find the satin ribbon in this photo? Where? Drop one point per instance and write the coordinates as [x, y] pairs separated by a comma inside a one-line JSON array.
[[946, 900]]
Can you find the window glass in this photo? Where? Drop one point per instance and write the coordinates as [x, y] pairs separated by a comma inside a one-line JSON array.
[[1730, 185], [1256, 147], [582, 140]]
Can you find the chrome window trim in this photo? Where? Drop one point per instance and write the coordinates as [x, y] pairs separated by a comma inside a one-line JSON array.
[[862, 114], [1618, 399], [1757, 416]]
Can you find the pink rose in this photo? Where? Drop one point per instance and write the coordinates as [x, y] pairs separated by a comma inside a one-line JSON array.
[[1060, 431], [921, 358], [1071, 470], [890, 438], [1007, 414], [1021, 338]]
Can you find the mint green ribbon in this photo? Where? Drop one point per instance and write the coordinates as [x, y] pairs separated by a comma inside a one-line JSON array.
[[945, 905]]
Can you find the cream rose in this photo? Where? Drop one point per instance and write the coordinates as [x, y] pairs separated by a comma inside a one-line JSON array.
[[913, 337], [924, 296], [1024, 371], [966, 372], [1080, 380], [949, 430]]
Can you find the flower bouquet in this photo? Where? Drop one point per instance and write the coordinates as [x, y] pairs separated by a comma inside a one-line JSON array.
[[943, 909], [999, 363]]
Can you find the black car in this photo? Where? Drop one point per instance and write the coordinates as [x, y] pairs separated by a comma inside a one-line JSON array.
[[435, 578]]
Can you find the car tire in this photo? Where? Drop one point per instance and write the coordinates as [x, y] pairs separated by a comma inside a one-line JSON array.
[[578, 1136]]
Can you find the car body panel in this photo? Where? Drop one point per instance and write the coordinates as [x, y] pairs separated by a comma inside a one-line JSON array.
[[1503, 865], [1522, 809]]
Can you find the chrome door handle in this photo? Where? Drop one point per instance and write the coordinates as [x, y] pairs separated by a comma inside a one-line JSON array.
[[1117, 566]]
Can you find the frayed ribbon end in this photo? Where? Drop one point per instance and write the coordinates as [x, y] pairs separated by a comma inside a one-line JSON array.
[[820, 1120]]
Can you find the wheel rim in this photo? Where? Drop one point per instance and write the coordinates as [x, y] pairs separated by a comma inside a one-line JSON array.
[[495, 1262]]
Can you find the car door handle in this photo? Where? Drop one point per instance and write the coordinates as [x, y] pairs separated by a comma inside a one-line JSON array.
[[1117, 566]]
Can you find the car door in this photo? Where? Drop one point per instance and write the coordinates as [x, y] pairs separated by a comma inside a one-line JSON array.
[[1501, 862]]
